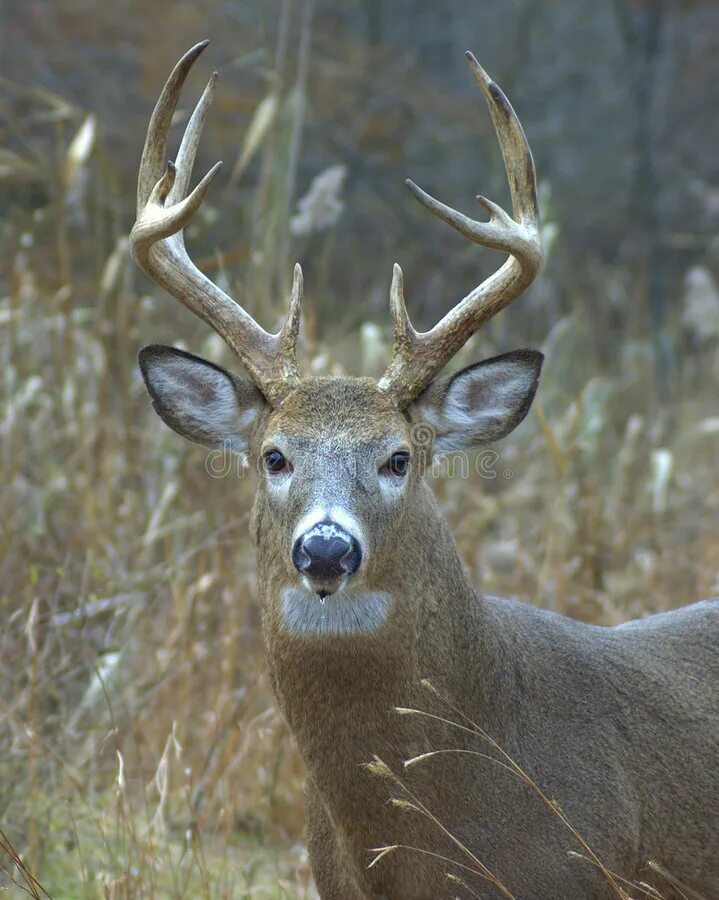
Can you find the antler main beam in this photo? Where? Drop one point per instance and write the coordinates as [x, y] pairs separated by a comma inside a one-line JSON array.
[[163, 210], [419, 356]]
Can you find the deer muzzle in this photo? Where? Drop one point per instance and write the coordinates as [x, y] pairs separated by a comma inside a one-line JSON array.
[[325, 554]]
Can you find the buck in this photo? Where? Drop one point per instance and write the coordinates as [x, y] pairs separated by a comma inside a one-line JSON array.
[[365, 602]]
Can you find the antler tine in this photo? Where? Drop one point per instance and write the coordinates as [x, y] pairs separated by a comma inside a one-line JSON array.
[[418, 357], [517, 156], [158, 246], [185, 159], [154, 152]]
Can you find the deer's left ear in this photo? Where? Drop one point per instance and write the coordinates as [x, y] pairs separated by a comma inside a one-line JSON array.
[[480, 404]]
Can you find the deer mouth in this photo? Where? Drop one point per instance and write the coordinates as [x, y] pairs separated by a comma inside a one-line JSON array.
[[323, 588], [345, 612]]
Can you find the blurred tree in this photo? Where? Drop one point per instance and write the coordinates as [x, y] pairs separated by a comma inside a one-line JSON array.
[[641, 27]]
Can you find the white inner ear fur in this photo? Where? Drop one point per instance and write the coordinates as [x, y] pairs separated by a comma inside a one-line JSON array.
[[481, 404], [487, 391], [203, 400]]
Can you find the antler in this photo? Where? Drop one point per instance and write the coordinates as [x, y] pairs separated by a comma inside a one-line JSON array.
[[158, 246], [418, 357]]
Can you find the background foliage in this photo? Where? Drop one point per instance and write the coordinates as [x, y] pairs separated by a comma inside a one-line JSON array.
[[141, 754]]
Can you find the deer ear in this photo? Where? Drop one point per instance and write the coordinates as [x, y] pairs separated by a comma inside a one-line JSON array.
[[480, 404], [199, 400]]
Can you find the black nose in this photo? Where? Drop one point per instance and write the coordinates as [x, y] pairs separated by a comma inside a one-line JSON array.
[[326, 551]]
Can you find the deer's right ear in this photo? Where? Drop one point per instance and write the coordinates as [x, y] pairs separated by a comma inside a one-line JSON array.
[[200, 400]]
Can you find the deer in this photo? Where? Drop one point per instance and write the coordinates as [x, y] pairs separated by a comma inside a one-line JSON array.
[[380, 651]]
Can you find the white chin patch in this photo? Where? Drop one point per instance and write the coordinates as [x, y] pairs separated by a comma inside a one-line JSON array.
[[344, 612]]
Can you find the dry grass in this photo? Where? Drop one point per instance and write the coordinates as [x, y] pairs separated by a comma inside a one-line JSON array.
[[141, 753]]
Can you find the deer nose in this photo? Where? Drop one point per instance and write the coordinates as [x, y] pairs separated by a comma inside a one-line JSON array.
[[326, 552]]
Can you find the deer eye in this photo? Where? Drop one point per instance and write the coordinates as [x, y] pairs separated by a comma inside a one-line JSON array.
[[397, 464], [275, 462]]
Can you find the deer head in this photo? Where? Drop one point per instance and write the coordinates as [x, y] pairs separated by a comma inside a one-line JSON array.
[[340, 459]]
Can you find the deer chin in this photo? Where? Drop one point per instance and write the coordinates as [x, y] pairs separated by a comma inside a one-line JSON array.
[[346, 610]]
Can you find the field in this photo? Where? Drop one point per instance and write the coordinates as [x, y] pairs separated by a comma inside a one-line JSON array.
[[141, 752]]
